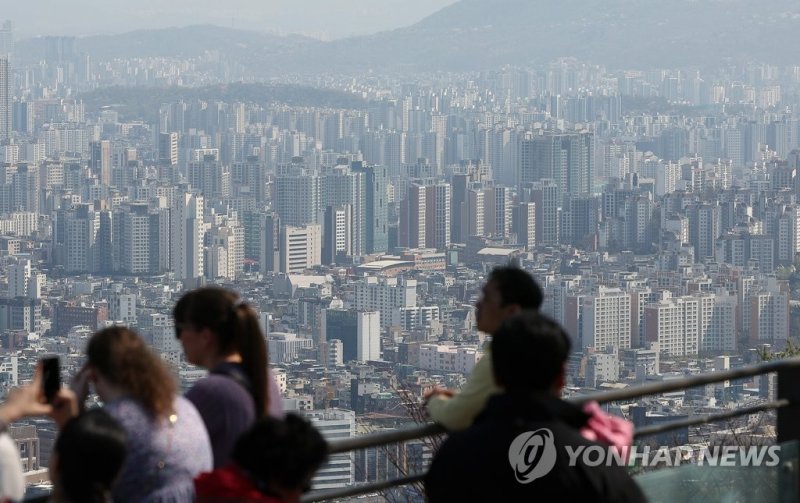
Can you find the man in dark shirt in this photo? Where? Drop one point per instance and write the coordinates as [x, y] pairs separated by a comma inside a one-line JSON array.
[[522, 446]]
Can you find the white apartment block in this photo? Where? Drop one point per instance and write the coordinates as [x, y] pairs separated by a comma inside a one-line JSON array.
[[412, 318], [667, 176], [764, 308], [216, 262], [23, 281], [640, 297], [81, 235], [20, 223], [555, 299], [476, 201], [335, 353], [605, 319], [720, 331], [279, 374], [448, 359], [298, 197], [164, 340], [187, 233], [64, 137], [788, 234], [225, 251], [369, 336], [334, 424], [685, 326], [385, 295], [600, 368], [664, 325], [134, 235], [343, 187], [769, 317], [122, 307], [641, 362], [9, 370], [285, 347], [438, 215], [300, 248]]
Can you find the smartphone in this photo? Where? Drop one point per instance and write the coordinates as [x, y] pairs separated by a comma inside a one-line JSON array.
[[51, 377]]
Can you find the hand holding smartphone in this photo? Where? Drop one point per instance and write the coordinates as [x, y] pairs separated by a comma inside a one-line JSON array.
[[51, 377]]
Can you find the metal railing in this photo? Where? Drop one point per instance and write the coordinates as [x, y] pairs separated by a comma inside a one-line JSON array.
[[787, 406]]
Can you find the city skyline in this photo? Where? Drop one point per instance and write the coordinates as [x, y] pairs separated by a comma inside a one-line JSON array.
[[357, 193]]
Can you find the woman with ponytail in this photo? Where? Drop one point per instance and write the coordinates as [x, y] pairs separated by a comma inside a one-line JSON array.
[[220, 332]]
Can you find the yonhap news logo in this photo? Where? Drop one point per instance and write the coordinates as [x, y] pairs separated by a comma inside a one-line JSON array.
[[533, 454]]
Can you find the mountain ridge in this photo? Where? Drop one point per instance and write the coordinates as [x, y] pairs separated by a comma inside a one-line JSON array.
[[186, 41], [474, 35]]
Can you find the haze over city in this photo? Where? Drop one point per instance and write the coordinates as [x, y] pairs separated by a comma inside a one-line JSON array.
[[328, 19], [353, 171]]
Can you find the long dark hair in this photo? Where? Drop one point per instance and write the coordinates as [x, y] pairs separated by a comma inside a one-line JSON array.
[[91, 450], [123, 358], [236, 326]]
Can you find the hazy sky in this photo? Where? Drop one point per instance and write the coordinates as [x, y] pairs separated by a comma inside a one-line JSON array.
[[321, 18]]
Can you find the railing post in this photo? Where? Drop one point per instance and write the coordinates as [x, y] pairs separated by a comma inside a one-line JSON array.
[[789, 416], [788, 424]]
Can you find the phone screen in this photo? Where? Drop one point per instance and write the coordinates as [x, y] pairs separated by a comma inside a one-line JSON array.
[[51, 377]]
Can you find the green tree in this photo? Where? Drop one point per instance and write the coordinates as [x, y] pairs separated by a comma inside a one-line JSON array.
[[792, 349]]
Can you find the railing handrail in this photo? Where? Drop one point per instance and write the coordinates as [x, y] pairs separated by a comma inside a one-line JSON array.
[[426, 430], [707, 418], [374, 487], [688, 382], [385, 437], [328, 494]]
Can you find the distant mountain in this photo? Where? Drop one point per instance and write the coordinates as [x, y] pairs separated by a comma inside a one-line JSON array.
[[485, 34], [187, 42], [481, 34]]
